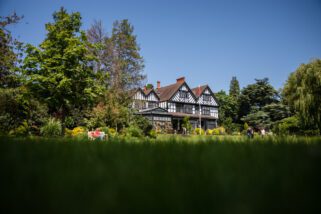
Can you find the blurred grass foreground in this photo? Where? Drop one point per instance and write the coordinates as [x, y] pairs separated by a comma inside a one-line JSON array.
[[168, 175]]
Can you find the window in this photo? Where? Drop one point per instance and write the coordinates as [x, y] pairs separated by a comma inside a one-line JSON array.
[[206, 97], [152, 104], [179, 107], [205, 110], [188, 109], [183, 94]]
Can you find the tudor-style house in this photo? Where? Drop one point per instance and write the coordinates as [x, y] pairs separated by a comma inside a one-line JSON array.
[[166, 106]]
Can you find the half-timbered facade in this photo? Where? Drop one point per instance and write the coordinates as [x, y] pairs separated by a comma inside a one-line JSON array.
[[167, 106]]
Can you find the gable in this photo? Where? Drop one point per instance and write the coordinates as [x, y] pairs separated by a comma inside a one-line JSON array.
[[139, 95], [184, 94], [152, 96], [207, 98]]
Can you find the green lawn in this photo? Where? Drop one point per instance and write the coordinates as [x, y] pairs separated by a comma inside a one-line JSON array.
[[181, 175]]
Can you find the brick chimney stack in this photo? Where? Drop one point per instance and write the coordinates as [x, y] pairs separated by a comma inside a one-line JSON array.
[[180, 80], [158, 84]]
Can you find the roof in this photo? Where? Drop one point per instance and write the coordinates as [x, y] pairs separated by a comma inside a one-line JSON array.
[[165, 93], [198, 92]]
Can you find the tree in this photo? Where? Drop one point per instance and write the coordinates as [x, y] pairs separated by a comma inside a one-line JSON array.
[[234, 88], [99, 48], [58, 71], [228, 106], [255, 96], [10, 53], [127, 64], [302, 92]]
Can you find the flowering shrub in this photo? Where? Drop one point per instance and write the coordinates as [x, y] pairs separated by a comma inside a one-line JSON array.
[[77, 131]]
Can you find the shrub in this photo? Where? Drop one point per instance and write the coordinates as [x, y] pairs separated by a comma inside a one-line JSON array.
[[152, 134], [51, 128], [199, 131], [78, 131], [216, 131], [289, 125], [132, 131], [21, 130], [209, 131], [68, 132]]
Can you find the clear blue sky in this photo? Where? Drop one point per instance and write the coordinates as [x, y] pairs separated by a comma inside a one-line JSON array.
[[206, 41]]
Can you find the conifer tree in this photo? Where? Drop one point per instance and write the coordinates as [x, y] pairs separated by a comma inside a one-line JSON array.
[[234, 88]]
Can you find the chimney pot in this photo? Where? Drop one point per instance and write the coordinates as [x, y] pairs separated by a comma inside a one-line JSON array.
[[181, 79]]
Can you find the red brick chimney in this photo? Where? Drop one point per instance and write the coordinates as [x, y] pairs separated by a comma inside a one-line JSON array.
[[180, 80], [158, 84]]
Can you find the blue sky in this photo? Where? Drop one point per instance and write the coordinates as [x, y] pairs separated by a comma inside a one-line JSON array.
[[205, 41]]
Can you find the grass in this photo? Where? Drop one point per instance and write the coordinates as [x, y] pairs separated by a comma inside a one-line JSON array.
[[167, 175]]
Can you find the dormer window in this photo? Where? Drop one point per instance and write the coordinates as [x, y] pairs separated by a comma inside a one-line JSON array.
[[183, 94]]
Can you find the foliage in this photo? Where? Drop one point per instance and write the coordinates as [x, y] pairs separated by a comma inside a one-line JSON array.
[[187, 124], [142, 123], [10, 53], [126, 62], [78, 131], [302, 92], [52, 128], [152, 133], [290, 125], [21, 130], [11, 109], [256, 96], [199, 131], [228, 107], [132, 131], [245, 126], [59, 67], [234, 88]]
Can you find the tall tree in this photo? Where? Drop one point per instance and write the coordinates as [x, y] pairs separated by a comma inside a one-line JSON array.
[[126, 62], [234, 88], [99, 48], [302, 92], [10, 53], [256, 96], [58, 71]]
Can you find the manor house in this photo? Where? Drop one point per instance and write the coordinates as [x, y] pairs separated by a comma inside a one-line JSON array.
[[166, 106]]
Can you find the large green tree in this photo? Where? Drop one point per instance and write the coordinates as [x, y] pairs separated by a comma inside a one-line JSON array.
[[255, 96], [10, 53], [302, 92], [228, 106], [58, 71]]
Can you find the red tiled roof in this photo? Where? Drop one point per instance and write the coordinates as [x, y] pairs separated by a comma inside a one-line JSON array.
[[165, 93], [199, 90]]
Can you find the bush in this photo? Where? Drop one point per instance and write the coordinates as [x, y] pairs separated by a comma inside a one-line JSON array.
[[216, 131], [152, 134], [132, 131], [289, 125], [21, 130], [78, 131], [199, 131], [52, 128], [68, 132]]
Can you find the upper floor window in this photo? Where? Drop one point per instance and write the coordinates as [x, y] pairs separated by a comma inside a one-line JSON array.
[[183, 94], [205, 110], [206, 97]]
